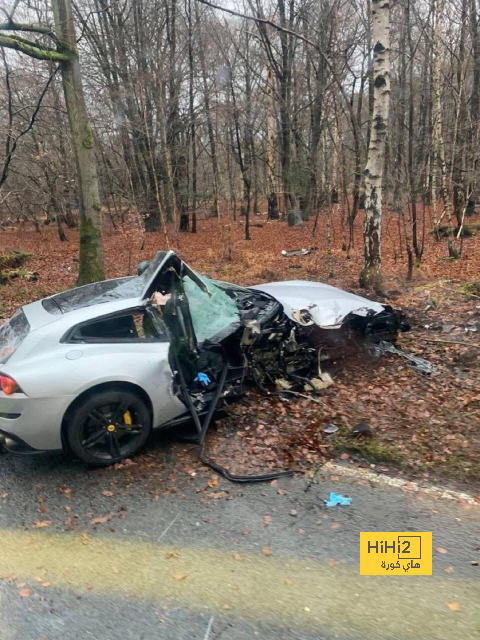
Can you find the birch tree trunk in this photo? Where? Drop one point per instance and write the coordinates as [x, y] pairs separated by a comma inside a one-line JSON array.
[[474, 104], [273, 209], [370, 276], [438, 140]]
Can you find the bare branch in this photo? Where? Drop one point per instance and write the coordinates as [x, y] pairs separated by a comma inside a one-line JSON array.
[[326, 58], [13, 9], [34, 51], [30, 28], [24, 131]]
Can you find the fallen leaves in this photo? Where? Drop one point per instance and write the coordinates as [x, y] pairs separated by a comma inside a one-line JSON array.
[[267, 551], [453, 606], [449, 569], [85, 538], [216, 495], [102, 519], [352, 395], [441, 550], [25, 593], [107, 494], [179, 577], [42, 524]]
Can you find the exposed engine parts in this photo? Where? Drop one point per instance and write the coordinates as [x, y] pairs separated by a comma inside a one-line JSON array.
[[222, 335]]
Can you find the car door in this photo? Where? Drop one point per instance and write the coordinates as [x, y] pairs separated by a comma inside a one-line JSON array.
[[200, 308], [155, 276], [130, 346]]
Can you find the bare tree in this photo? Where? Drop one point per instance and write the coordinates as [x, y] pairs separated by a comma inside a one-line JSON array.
[[64, 51], [371, 275]]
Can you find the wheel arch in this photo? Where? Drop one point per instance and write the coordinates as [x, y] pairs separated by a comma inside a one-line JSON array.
[[104, 386]]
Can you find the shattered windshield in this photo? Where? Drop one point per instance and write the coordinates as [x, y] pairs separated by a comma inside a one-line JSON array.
[[210, 313]]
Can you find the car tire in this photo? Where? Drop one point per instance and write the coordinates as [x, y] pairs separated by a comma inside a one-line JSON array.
[[80, 421]]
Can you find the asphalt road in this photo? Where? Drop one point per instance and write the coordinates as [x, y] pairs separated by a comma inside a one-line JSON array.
[[160, 550]]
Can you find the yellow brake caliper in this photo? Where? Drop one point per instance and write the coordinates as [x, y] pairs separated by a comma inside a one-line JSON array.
[[127, 418]]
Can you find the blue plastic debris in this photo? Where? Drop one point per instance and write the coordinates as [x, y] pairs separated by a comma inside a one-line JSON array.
[[336, 498], [203, 379]]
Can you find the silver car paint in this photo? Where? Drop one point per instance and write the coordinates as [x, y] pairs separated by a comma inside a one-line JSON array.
[[51, 379], [327, 305]]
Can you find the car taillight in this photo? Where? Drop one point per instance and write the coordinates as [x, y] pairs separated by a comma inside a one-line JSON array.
[[8, 385]]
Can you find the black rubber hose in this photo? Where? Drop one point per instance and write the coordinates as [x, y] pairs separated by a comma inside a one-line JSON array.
[[203, 428], [214, 402], [188, 399]]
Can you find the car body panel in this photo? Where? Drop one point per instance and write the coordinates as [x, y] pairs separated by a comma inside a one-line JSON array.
[[39, 421], [327, 305], [52, 373]]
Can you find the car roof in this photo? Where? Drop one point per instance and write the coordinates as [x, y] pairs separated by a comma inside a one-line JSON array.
[[38, 316]]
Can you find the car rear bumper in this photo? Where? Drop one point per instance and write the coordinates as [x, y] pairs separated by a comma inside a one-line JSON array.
[[31, 425], [13, 444]]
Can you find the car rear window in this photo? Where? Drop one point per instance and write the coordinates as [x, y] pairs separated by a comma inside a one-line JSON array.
[[12, 334]]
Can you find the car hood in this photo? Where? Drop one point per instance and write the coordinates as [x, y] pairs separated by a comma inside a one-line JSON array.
[[327, 305]]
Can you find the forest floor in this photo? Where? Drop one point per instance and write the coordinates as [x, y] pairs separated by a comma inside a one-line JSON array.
[[426, 426]]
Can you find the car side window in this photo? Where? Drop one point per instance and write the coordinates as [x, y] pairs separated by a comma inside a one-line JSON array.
[[136, 326]]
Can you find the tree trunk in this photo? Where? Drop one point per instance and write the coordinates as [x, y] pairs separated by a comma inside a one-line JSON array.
[[438, 140], [208, 118], [474, 104], [91, 267], [370, 275], [273, 208]]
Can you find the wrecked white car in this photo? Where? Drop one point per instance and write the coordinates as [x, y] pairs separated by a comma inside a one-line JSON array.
[[94, 369]]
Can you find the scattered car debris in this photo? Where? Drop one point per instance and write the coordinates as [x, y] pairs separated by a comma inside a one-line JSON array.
[[323, 381], [419, 364], [298, 252], [362, 430], [330, 428], [337, 499]]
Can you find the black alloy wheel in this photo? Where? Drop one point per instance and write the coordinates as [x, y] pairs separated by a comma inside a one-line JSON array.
[[109, 426]]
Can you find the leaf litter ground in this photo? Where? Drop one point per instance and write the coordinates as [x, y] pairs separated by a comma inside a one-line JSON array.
[[423, 425]]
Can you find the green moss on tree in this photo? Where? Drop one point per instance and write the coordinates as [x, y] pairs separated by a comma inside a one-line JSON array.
[[88, 139]]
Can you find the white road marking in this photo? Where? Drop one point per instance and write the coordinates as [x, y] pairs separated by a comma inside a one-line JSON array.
[[400, 483]]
